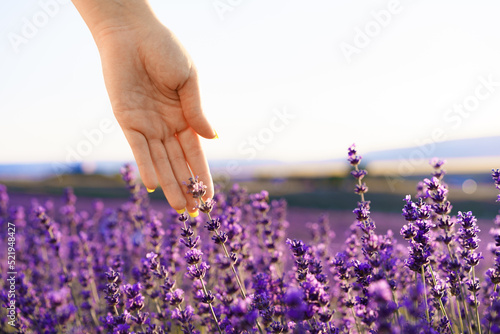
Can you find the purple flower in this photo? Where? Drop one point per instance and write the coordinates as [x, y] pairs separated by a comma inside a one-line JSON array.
[[183, 316], [437, 163], [220, 237], [360, 189], [175, 298], [495, 174], [363, 272], [208, 298], [198, 271], [135, 301], [193, 256], [362, 212], [262, 196], [190, 242], [419, 257], [408, 231], [359, 174], [207, 206], [494, 275], [353, 159], [297, 247], [196, 188]]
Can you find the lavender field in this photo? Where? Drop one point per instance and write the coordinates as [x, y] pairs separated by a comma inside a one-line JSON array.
[[248, 264]]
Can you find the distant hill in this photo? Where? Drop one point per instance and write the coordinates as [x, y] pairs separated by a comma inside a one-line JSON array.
[[460, 148]]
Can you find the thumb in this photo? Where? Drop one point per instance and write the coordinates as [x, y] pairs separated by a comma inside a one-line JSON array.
[[189, 95]]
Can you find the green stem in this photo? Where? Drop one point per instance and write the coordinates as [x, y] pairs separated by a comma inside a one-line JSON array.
[[459, 315], [466, 310], [94, 317], [205, 291], [489, 322], [397, 310], [89, 260], [72, 292], [187, 327], [359, 183], [462, 291], [443, 310], [353, 315], [475, 302], [425, 296], [236, 275], [210, 305]]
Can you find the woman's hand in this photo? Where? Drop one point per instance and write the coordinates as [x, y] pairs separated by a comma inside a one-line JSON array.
[[153, 87]]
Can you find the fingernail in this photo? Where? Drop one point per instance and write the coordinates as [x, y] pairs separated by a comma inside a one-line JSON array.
[[216, 135], [150, 190], [194, 214], [181, 211]]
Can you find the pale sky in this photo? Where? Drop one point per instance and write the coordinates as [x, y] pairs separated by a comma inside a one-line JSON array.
[[399, 84]]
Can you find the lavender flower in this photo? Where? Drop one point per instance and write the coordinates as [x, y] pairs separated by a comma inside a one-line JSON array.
[[137, 258]]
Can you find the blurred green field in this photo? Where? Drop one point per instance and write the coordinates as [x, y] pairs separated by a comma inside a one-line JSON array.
[[334, 193]]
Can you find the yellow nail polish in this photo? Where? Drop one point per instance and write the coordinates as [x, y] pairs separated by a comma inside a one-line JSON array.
[[150, 190], [216, 135], [181, 211], [194, 214]]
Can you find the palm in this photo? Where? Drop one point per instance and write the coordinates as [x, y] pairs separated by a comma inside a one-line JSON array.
[[154, 92]]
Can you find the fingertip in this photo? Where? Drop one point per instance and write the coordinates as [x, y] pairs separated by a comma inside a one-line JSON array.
[[178, 204], [194, 214], [142, 155], [203, 129], [150, 183], [175, 197], [207, 134], [149, 180]]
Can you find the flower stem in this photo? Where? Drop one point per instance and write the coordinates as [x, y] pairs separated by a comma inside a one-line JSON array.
[[397, 310], [187, 326], [475, 302], [205, 291], [210, 306], [72, 292], [359, 183], [353, 315], [425, 296], [459, 315], [226, 253], [236, 275], [462, 292], [443, 310]]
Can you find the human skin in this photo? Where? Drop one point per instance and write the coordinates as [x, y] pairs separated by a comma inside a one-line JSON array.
[[153, 87]]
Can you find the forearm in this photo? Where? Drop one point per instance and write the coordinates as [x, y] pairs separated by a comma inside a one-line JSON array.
[[103, 17]]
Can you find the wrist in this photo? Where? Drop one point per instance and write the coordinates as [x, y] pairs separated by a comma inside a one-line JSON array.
[[107, 18]]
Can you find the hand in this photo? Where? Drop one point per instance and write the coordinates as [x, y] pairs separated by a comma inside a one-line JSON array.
[[153, 87]]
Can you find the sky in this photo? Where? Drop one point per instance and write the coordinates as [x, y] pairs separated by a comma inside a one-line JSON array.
[[280, 80]]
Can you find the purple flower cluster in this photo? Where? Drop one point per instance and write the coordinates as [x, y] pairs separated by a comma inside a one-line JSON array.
[[134, 269]]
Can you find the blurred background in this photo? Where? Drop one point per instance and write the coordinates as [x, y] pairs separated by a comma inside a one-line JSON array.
[[288, 85]]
